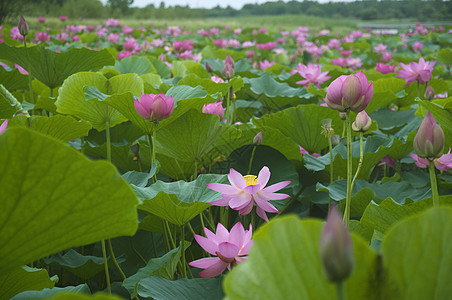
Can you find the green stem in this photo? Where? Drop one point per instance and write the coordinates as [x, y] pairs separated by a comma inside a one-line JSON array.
[[232, 106], [361, 158], [201, 218], [330, 146], [107, 133], [153, 244], [165, 235], [340, 291], [349, 169], [431, 169], [253, 221], [136, 251], [30, 78], [251, 159], [191, 229], [228, 109], [170, 235], [115, 262], [182, 246], [107, 274]]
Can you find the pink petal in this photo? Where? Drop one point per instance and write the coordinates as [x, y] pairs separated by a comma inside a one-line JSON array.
[[208, 245], [246, 248], [263, 177], [237, 234], [240, 201], [204, 263], [247, 209], [140, 109], [252, 189], [276, 187], [214, 270], [240, 259], [263, 203], [261, 213], [228, 250], [222, 234], [236, 179], [220, 202], [222, 188]]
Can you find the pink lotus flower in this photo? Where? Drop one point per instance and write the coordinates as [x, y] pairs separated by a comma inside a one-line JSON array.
[[154, 107], [362, 122], [352, 92], [41, 19], [303, 151], [229, 249], [112, 23], [214, 108], [443, 163], [62, 18], [265, 64], [429, 140], [42, 37], [388, 160], [267, 46], [338, 62], [353, 63], [417, 46], [3, 126], [244, 191], [127, 29], [312, 74], [386, 56], [124, 54], [181, 46], [421, 71], [216, 79], [384, 69], [380, 48]]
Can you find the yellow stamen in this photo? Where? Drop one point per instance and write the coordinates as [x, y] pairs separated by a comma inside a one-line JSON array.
[[250, 179]]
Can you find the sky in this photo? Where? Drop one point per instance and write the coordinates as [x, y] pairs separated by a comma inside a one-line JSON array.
[[237, 4]]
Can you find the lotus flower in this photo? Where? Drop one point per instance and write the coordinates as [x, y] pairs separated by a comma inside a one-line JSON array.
[[257, 140], [429, 140], [352, 92], [23, 26], [420, 72], [154, 107], [443, 163], [384, 69], [3, 126], [214, 108], [244, 191], [312, 74], [228, 248], [336, 249]]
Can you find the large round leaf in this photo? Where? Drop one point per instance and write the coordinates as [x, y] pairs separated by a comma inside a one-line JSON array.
[[54, 198], [417, 256], [284, 263], [24, 278]]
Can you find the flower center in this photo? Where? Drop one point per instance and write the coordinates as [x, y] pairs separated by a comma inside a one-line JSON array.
[[250, 180]]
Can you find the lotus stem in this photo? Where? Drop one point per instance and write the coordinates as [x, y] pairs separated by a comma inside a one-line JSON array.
[[30, 78], [361, 158], [340, 291], [330, 146], [107, 274], [349, 168], [228, 109], [435, 196], [251, 159], [182, 247], [115, 262]]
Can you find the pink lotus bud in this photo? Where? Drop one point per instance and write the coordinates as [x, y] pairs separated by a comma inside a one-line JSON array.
[[3, 126], [214, 108], [209, 68], [429, 93], [228, 71], [429, 140], [258, 138], [23, 27], [41, 19], [336, 249], [154, 107], [362, 122], [62, 18], [229, 60], [352, 92]]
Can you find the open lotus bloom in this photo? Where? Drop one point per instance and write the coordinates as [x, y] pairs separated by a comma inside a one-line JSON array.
[[154, 107], [349, 92], [443, 163], [229, 249], [215, 108], [244, 191], [420, 72], [312, 74]]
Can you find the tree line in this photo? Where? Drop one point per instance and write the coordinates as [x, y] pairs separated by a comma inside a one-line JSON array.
[[422, 10]]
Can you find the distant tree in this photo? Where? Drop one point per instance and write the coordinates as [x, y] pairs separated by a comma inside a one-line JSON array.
[[122, 5]]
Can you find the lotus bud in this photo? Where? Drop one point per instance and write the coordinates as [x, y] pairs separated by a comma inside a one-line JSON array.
[[336, 249], [352, 92], [23, 26], [429, 93], [209, 67], [228, 71], [362, 122], [229, 60], [154, 107], [214, 108], [3, 126], [258, 139], [429, 140]]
